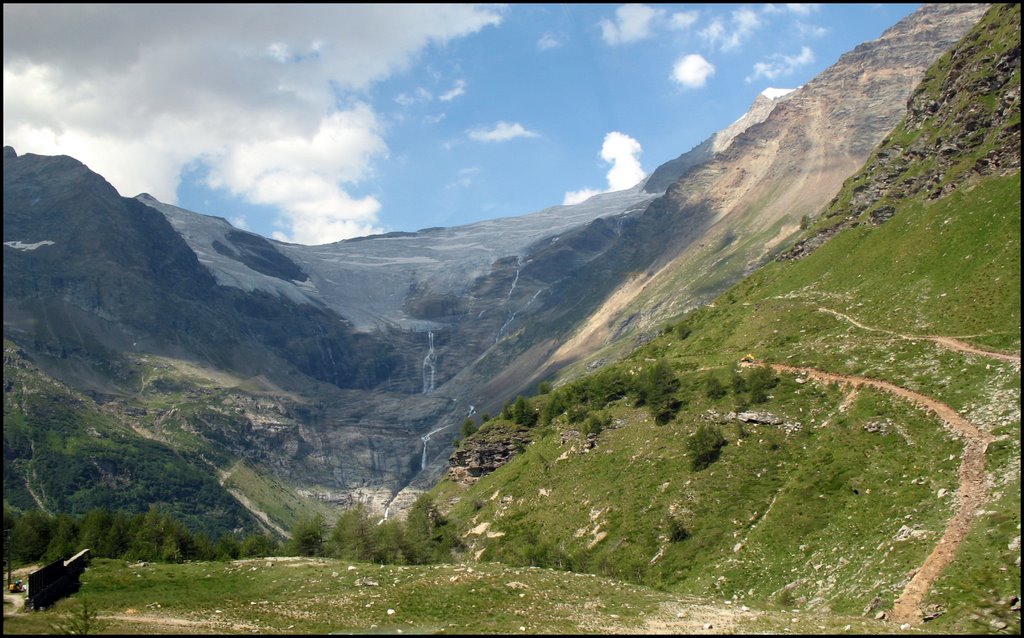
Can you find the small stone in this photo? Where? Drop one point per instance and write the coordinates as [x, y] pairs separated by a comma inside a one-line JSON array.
[[708, 626], [905, 626], [880, 615], [680, 615], [391, 612]]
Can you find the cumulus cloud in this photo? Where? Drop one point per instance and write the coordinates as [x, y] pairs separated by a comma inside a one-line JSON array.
[[271, 96], [623, 153], [692, 71], [547, 42], [301, 174], [633, 22], [500, 132], [778, 65]]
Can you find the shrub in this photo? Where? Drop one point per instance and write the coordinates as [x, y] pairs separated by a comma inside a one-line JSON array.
[[705, 445], [714, 388]]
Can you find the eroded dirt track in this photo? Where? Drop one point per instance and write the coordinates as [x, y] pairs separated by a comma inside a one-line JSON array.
[[971, 493], [949, 343]]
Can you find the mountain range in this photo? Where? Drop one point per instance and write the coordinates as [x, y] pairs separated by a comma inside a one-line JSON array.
[[276, 379]]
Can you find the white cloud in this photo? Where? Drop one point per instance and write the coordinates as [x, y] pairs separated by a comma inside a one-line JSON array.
[[811, 30], [714, 32], [779, 65], [134, 109], [683, 20], [300, 175], [500, 132], [575, 197], [633, 22], [419, 96], [547, 42], [464, 178], [456, 91], [623, 153], [692, 71], [803, 9], [744, 22]]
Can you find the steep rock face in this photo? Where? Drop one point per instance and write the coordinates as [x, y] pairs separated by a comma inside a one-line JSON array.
[[482, 454], [665, 175], [956, 137], [748, 200]]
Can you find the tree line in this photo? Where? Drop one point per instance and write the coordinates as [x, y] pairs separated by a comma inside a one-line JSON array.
[[158, 536]]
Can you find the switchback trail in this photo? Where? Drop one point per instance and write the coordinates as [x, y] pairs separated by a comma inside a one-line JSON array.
[[948, 343], [970, 495]]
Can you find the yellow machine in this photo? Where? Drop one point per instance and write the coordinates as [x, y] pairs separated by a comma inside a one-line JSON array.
[[748, 359]]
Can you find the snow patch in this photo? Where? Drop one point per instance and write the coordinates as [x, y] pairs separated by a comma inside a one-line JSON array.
[[774, 94], [20, 246]]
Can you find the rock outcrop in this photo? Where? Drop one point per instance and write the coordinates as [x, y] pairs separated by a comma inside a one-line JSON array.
[[942, 126]]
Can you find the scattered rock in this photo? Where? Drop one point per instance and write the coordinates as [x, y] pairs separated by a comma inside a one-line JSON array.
[[877, 427], [880, 615], [933, 611], [366, 582]]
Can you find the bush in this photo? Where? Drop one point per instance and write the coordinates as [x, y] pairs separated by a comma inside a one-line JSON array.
[[596, 423], [705, 445], [714, 388]]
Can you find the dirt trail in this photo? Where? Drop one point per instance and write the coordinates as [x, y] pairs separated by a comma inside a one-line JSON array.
[[970, 495], [948, 343]]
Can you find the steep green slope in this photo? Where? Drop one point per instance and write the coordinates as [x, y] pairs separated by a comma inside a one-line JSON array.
[[182, 442], [63, 453], [838, 497]]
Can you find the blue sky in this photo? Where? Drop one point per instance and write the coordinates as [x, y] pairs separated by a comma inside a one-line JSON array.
[[313, 123]]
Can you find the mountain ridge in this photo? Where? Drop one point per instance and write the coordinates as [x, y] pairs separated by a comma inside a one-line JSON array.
[[355, 390]]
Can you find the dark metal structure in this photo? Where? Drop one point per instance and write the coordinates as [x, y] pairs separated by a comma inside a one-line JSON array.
[[55, 581]]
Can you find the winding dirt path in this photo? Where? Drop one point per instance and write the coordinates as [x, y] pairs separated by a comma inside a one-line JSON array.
[[948, 343], [971, 494]]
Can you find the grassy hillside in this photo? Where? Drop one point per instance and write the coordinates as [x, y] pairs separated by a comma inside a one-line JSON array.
[[810, 517], [838, 505], [317, 596]]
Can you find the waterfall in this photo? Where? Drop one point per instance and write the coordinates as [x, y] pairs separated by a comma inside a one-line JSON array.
[[425, 438], [508, 300], [428, 366]]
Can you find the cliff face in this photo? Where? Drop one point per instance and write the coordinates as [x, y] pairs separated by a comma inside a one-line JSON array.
[[743, 205], [962, 124]]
